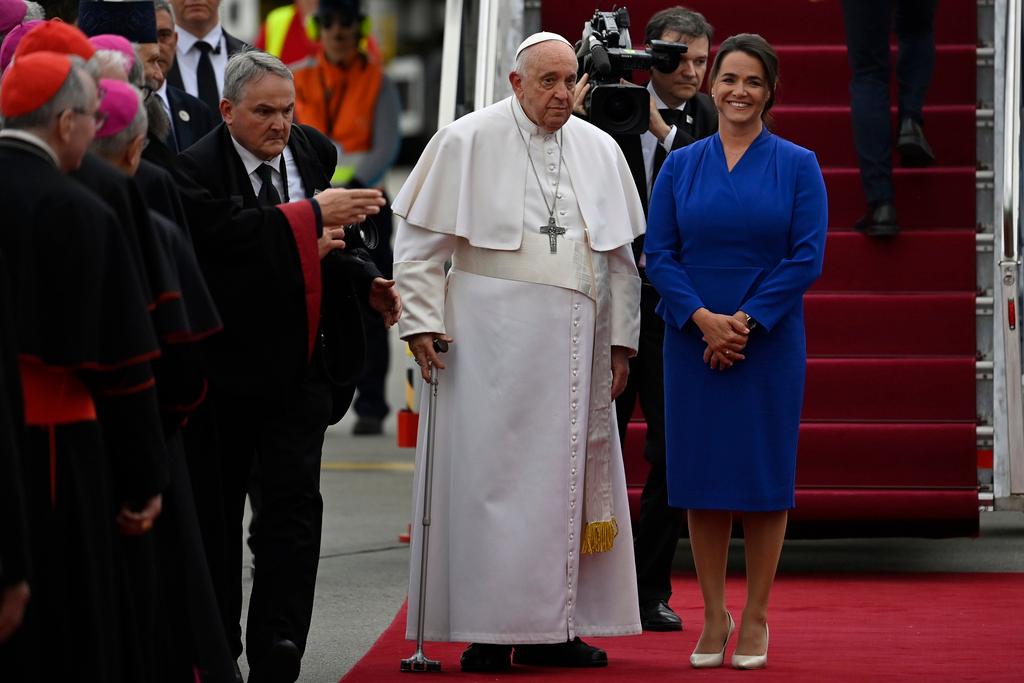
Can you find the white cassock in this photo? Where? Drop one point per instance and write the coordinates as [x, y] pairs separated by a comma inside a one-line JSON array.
[[514, 401]]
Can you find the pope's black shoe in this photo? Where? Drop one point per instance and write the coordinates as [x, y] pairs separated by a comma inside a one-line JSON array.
[[879, 221], [573, 653], [656, 615], [482, 657], [279, 665], [915, 152]]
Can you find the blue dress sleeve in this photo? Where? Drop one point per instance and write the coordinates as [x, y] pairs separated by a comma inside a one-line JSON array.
[[662, 246], [785, 285]]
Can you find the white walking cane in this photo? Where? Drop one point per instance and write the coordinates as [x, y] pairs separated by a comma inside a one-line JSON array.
[[418, 663]]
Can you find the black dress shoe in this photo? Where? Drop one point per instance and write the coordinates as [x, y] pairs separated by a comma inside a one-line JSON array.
[[368, 425], [879, 221], [915, 152], [658, 616], [482, 657], [280, 664], [573, 653]]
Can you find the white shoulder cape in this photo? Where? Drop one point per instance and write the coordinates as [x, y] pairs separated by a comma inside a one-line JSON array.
[[473, 175]]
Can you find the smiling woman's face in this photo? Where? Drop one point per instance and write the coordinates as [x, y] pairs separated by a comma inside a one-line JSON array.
[[741, 89]]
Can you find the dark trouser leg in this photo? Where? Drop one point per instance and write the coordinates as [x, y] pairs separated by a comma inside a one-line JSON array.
[[240, 428], [867, 40], [370, 399], [915, 29], [288, 543], [206, 473], [659, 525]]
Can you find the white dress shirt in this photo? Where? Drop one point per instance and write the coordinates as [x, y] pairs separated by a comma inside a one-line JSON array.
[[648, 142], [188, 58], [296, 192]]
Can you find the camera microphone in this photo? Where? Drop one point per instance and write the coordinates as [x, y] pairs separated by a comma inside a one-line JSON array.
[[599, 58]]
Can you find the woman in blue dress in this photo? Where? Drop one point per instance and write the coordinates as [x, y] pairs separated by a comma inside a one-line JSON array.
[[736, 235]]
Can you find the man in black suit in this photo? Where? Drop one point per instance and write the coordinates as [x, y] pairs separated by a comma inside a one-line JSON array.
[[203, 50], [190, 118], [680, 114], [868, 25], [292, 345]]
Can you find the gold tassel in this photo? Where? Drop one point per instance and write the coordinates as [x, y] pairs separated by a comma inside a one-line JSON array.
[[599, 537]]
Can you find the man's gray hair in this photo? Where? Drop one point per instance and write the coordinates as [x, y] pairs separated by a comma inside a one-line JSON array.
[[247, 66], [164, 6], [113, 147], [33, 10], [71, 95]]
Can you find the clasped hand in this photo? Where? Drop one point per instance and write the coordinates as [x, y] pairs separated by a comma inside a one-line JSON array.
[[725, 335]]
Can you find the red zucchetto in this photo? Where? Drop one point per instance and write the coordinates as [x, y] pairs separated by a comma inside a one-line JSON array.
[[55, 36], [32, 81]]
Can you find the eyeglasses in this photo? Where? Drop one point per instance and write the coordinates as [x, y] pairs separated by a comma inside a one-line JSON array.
[[99, 117]]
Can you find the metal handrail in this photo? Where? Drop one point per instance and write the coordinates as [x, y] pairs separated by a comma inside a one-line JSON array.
[[486, 53], [1008, 213], [450, 62]]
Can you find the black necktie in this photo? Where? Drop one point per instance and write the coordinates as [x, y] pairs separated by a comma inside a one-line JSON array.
[[268, 195], [672, 117], [206, 80]]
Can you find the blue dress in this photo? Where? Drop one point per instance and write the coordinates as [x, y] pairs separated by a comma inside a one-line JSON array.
[[750, 239]]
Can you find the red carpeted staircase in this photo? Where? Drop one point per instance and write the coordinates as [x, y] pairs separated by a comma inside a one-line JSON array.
[[888, 438]]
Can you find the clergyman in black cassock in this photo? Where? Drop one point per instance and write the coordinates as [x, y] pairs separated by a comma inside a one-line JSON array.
[[85, 342]]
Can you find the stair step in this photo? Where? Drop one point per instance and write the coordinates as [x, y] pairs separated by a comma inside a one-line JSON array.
[[870, 455], [835, 513], [915, 261], [837, 455], [797, 21], [924, 197], [828, 132], [890, 390], [820, 74], [890, 324]]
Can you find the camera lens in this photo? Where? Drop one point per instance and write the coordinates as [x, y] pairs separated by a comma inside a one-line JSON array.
[[363, 235]]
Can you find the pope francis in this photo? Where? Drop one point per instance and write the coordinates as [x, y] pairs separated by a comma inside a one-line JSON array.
[[530, 544]]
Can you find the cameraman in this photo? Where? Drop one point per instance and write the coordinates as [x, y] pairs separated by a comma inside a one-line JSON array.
[[680, 114]]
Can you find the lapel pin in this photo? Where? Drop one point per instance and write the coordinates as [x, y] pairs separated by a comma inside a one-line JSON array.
[[689, 119], [183, 115]]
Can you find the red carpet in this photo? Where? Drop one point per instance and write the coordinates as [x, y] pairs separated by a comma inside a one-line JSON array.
[[835, 628], [891, 323]]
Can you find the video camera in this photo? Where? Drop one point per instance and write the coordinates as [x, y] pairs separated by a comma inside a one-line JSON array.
[[606, 53]]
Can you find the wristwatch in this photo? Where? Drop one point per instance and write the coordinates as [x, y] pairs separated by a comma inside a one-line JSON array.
[[751, 323]]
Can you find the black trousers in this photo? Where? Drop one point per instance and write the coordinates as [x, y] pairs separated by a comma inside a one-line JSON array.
[[370, 398], [659, 526], [868, 23], [286, 447]]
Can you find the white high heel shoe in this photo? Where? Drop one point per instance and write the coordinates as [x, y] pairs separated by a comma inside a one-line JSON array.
[[752, 661], [710, 661]]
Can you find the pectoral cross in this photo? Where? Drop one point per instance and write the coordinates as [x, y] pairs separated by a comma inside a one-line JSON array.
[[552, 231]]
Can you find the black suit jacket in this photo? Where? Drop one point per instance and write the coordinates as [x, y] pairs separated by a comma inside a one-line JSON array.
[[701, 120], [258, 285], [234, 45], [191, 118]]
